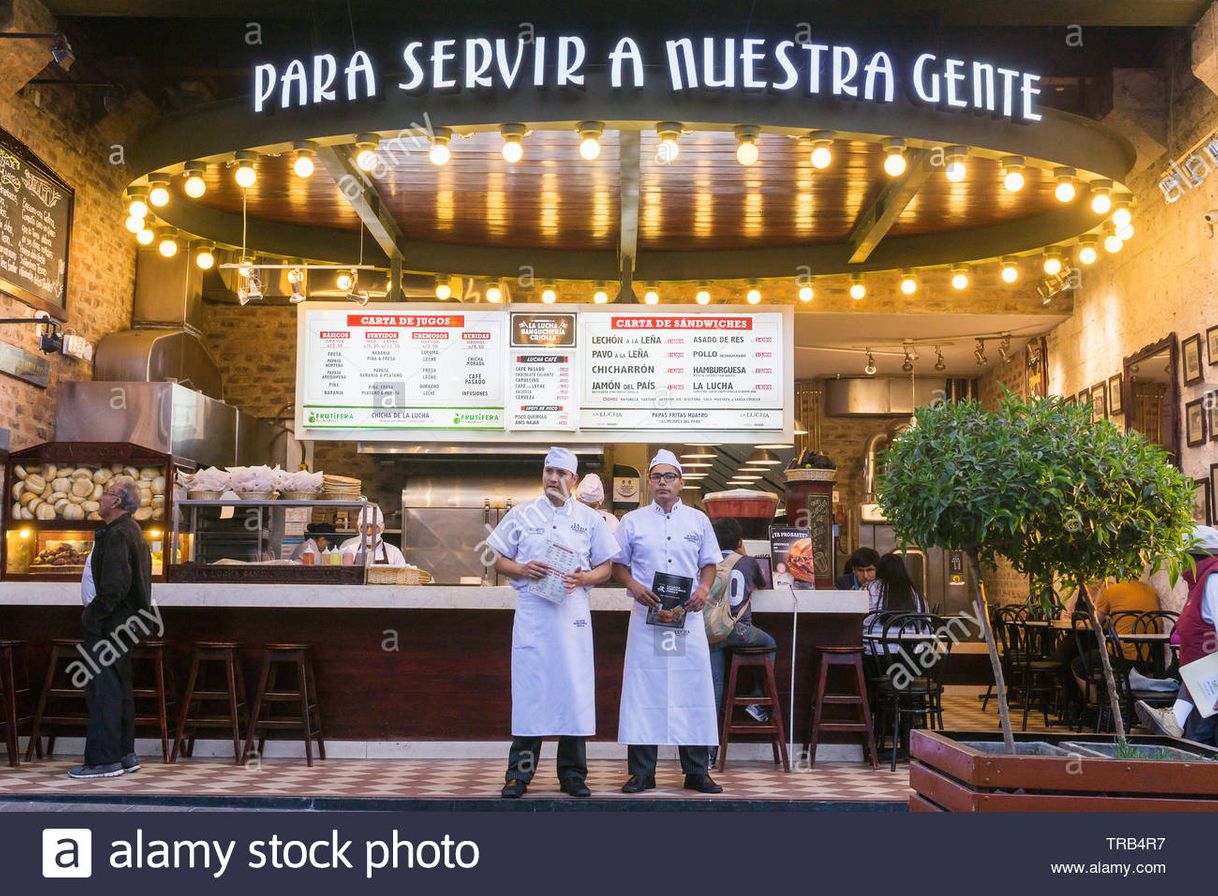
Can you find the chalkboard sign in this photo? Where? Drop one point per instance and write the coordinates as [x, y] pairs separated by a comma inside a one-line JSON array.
[[35, 222]]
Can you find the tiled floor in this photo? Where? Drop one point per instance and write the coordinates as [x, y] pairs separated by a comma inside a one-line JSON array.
[[389, 780]]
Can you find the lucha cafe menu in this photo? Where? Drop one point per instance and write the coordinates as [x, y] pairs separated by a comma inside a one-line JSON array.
[[559, 370]]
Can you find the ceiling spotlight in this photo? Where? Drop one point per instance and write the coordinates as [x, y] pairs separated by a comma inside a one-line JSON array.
[[1053, 262], [365, 151], [442, 288], [1012, 173], [359, 298], [512, 134], [870, 369], [167, 244], [346, 280], [296, 277], [250, 290], [494, 294], [907, 364], [245, 175], [245, 267], [959, 276], [590, 144], [1010, 269], [1113, 243], [134, 224], [858, 289], [1125, 233], [940, 364], [1087, 253], [700, 452], [753, 296], [909, 283], [807, 293], [205, 257], [702, 296], [1101, 196], [822, 149], [956, 169], [302, 164], [763, 457], [651, 297], [1004, 348], [747, 151], [979, 353], [548, 294], [1122, 215], [194, 185], [894, 156], [1066, 189], [158, 190], [137, 207], [145, 237], [61, 52], [668, 132], [439, 153]]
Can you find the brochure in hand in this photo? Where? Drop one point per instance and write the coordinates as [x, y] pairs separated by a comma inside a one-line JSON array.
[[562, 561], [673, 592]]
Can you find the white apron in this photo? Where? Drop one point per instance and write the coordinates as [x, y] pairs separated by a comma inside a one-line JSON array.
[[667, 693]]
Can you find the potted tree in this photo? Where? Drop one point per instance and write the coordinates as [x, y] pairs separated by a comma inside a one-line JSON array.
[[1042, 485]]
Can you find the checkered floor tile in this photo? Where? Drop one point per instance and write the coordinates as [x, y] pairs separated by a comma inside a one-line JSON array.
[[477, 779]]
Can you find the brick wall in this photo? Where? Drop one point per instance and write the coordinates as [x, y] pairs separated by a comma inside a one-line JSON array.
[[56, 125]]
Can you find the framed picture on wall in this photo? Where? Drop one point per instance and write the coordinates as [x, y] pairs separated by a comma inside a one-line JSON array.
[[1099, 401], [1211, 344], [1115, 399], [1194, 423], [1203, 503], [1084, 396], [1068, 399], [1190, 359]]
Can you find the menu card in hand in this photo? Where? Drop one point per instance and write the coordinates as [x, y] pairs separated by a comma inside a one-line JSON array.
[[1201, 679], [674, 592], [561, 561]]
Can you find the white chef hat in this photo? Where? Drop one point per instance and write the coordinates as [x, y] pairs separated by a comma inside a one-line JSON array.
[[1205, 539], [371, 514], [590, 489], [664, 456], [562, 459]]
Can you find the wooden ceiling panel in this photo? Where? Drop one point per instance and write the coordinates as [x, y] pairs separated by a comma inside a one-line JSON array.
[[978, 200]]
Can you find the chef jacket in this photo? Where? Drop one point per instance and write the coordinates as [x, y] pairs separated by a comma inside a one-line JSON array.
[[679, 542], [525, 532], [382, 554]]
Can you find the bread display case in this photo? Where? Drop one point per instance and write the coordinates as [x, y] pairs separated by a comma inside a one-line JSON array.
[[52, 508]]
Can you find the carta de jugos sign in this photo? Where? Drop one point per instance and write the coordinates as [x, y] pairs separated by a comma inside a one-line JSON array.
[[685, 64]]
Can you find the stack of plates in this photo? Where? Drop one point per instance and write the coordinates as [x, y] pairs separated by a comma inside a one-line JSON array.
[[340, 488]]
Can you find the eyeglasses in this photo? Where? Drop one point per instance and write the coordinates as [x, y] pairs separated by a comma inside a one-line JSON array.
[[664, 477]]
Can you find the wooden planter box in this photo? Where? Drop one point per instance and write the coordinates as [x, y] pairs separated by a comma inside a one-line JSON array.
[[968, 772]]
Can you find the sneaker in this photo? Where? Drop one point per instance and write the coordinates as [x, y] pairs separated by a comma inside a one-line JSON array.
[[109, 770], [1160, 720], [758, 712], [130, 763]]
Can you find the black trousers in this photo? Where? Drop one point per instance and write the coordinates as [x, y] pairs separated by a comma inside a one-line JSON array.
[[526, 753], [641, 760], [111, 731], [1200, 729]]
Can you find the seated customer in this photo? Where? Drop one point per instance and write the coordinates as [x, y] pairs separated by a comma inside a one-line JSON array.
[[743, 576], [860, 570], [1120, 597], [892, 592]]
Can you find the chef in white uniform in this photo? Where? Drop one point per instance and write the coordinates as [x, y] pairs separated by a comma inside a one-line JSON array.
[[591, 492], [667, 694], [372, 525], [553, 678]]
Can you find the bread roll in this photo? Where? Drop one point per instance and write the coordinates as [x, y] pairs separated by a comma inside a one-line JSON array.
[[16, 511], [103, 475], [33, 503], [50, 471], [18, 488], [45, 512], [90, 506], [98, 491], [55, 496], [26, 513], [60, 505], [145, 497], [82, 473], [149, 473], [83, 488], [144, 513], [73, 512], [61, 484], [93, 516], [158, 485], [116, 469], [29, 496], [132, 472], [19, 471], [35, 483]]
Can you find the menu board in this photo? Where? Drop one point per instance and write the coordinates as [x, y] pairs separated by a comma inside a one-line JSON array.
[[378, 370], [35, 223], [575, 373], [671, 371]]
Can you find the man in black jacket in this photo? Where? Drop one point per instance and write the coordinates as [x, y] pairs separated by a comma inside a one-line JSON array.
[[119, 614]]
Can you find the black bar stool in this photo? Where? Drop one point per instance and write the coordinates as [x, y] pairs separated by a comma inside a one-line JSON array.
[[302, 693], [12, 657], [205, 656], [758, 658]]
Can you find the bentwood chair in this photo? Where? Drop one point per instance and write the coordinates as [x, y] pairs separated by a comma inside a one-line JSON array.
[[912, 654]]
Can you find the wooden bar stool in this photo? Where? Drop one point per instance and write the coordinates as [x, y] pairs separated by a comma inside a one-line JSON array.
[[758, 658], [58, 687], [158, 687], [841, 656], [12, 657], [302, 693], [205, 655]]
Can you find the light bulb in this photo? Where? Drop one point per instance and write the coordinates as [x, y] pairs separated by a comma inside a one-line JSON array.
[[806, 294], [205, 259], [858, 290], [1121, 216], [512, 151], [303, 166], [1101, 202], [959, 280], [158, 196], [134, 224], [651, 297], [600, 297], [955, 171], [1125, 233], [589, 148], [494, 294], [909, 285], [344, 281], [168, 247], [753, 296], [145, 237], [894, 163], [439, 154], [821, 157], [1065, 191], [443, 290], [1010, 273], [138, 208], [1113, 243], [549, 296], [194, 186], [1087, 254], [1052, 265], [702, 297], [366, 159], [245, 175], [1013, 180]]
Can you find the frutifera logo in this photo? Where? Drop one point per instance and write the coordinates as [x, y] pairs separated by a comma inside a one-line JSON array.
[[329, 418], [472, 418]]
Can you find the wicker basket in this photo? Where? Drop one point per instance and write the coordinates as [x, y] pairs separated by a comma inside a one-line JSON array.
[[300, 496], [203, 495], [397, 575], [255, 496]]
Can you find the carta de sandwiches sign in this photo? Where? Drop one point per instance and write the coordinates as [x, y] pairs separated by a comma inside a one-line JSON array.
[[685, 64]]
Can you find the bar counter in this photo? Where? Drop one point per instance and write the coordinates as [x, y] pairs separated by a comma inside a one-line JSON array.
[[429, 662]]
